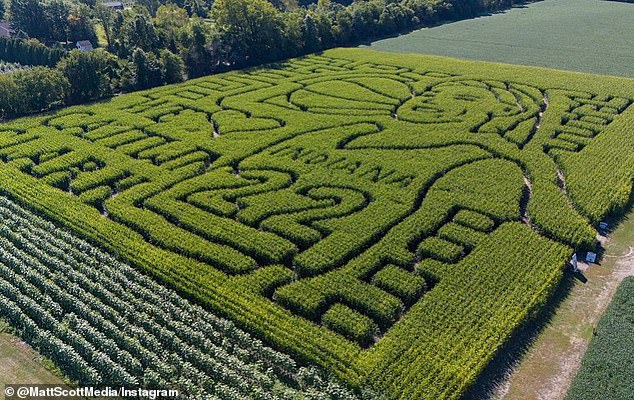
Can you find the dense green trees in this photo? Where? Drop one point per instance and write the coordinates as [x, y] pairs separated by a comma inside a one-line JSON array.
[[33, 90], [53, 20], [28, 52], [26, 16], [158, 42], [91, 74], [8, 90], [173, 68], [146, 70], [131, 31], [250, 31], [241, 33], [199, 57]]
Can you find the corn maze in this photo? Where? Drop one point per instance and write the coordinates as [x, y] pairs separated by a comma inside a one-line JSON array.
[[392, 220]]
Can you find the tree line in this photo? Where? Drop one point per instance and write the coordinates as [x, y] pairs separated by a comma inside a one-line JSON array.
[[159, 42], [29, 52]]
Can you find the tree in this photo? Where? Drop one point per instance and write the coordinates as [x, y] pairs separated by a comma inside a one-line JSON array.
[[251, 30], [106, 16], [170, 21], [56, 19], [8, 95], [198, 8], [285, 5], [326, 29], [80, 24], [131, 30], [141, 33], [425, 10], [199, 55], [150, 5], [323, 5], [310, 35], [343, 30], [40, 89], [147, 70], [173, 67], [364, 19], [171, 17], [395, 18], [293, 43], [26, 15], [90, 74]]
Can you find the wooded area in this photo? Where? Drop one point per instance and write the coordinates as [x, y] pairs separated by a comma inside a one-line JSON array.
[[159, 42]]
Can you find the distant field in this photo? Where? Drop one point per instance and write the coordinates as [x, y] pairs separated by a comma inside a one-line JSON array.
[[391, 219], [579, 35]]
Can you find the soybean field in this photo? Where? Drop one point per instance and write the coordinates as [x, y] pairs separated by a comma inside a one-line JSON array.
[[389, 220], [607, 367]]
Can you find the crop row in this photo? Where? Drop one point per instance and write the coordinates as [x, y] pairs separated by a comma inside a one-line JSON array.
[[468, 316], [345, 211], [607, 368], [104, 323]]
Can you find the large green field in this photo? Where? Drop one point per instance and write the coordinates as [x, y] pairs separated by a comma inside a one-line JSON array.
[[580, 35], [391, 219]]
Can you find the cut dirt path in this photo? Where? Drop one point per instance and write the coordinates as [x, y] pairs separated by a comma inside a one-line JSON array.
[[547, 369], [19, 363]]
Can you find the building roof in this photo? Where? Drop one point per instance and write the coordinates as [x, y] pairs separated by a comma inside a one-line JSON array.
[[5, 29], [113, 4], [84, 45]]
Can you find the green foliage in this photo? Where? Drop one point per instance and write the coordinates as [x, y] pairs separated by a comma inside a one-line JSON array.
[[474, 220], [57, 20], [91, 74], [251, 30], [28, 52], [173, 67], [34, 90], [460, 234], [104, 323], [488, 305], [399, 282], [607, 368], [349, 323], [160, 43], [374, 218], [440, 250]]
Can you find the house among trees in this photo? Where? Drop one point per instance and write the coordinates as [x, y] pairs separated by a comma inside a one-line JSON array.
[[84, 45], [5, 29], [113, 5]]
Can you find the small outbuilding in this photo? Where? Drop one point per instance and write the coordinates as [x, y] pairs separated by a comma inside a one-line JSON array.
[[113, 5], [84, 45]]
